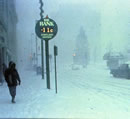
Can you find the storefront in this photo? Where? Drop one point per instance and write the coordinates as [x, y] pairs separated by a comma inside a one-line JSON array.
[[3, 56]]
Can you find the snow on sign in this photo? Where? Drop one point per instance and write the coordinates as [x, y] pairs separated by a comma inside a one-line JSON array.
[[46, 28]]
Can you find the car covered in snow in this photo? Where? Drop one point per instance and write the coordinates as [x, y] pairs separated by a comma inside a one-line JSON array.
[[113, 59], [123, 71], [76, 67]]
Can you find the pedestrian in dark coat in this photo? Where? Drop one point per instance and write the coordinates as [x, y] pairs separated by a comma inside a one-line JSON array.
[[12, 78]]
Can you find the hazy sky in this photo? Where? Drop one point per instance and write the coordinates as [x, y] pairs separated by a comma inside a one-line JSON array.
[[115, 18]]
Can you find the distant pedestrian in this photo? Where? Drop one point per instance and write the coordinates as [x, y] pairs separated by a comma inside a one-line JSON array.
[[12, 78]]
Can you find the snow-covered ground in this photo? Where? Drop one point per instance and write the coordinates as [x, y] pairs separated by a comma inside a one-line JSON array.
[[90, 93]]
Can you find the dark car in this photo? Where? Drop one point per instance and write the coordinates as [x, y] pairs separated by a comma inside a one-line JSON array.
[[123, 71]]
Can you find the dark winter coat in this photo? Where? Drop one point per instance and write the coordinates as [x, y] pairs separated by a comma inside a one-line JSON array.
[[12, 77]]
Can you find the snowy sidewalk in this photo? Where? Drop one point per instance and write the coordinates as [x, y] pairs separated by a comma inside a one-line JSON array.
[[32, 90], [85, 93]]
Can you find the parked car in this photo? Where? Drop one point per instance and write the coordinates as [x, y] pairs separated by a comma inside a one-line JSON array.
[[123, 71], [76, 67]]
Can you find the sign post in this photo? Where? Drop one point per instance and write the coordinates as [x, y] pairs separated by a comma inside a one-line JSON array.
[[55, 54], [42, 58], [46, 29], [47, 64]]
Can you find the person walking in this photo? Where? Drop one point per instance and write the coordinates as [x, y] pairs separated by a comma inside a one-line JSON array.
[[12, 78]]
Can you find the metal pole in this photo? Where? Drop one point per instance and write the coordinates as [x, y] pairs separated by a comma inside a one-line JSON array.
[[50, 59], [55, 74], [47, 64], [42, 58], [36, 49], [36, 53], [31, 43]]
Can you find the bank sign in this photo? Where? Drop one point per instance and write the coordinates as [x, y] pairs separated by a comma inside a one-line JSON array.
[[46, 29]]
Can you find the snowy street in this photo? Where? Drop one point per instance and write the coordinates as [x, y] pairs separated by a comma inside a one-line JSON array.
[[86, 41], [86, 93]]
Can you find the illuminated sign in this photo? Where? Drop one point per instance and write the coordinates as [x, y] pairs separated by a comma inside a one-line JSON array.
[[46, 28]]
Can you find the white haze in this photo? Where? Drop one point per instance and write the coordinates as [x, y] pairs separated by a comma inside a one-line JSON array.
[[106, 24]]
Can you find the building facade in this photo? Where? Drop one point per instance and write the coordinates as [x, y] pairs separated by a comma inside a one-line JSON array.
[[8, 21]]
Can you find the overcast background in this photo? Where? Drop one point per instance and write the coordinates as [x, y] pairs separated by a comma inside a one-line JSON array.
[[106, 23]]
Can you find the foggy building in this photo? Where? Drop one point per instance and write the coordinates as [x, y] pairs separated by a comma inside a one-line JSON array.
[[69, 19], [8, 21], [81, 54]]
